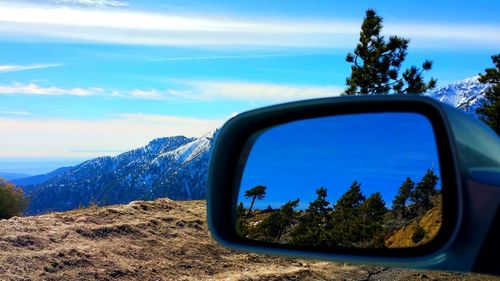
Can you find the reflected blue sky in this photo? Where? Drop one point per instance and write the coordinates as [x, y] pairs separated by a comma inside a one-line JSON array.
[[377, 149]]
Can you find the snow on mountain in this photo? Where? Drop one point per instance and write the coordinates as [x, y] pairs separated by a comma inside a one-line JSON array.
[[174, 167], [467, 94]]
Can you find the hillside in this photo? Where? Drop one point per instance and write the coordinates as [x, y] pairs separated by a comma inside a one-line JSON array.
[[156, 240], [430, 222]]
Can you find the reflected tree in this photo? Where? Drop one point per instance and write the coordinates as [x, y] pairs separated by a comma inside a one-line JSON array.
[[346, 216], [311, 227], [258, 192], [403, 196], [424, 191]]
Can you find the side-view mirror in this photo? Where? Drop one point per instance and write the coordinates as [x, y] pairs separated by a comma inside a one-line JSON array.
[[387, 180]]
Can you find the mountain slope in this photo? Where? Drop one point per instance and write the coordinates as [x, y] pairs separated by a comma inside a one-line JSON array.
[[157, 240], [173, 167], [467, 94], [430, 222], [28, 182]]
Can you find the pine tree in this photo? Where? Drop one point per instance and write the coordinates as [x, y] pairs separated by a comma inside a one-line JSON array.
[[372, 211], [288, 216], [376, 63], [350, 201], [489, 111], [258, 192], [346, 219], [241, 223], [272, 227], [311, 228], [404, 194], [424, 191], [268, 229], [240, 210]]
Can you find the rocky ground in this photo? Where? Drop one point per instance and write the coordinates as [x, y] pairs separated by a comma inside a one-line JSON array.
[[157, 240]]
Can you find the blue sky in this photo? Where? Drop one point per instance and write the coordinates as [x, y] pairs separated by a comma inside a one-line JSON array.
[[378, 150], [85, 78]]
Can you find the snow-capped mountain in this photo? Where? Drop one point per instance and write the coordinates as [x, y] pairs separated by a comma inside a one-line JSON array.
[[467, 94], [174, 167]]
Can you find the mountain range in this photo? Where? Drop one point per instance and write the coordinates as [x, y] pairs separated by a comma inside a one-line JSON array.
[[174, 167]]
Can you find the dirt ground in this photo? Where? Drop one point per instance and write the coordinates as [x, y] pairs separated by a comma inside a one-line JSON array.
[[157, 240]]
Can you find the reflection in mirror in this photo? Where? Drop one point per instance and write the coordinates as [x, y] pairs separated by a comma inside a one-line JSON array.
[[362, 181]]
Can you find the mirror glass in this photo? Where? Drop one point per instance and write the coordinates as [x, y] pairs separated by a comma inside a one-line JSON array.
[[367, 180]]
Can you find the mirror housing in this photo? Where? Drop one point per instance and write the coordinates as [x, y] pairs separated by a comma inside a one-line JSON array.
[[469, 156]]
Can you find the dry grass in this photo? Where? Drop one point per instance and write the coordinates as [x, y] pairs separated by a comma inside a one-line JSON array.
[[157, 240]]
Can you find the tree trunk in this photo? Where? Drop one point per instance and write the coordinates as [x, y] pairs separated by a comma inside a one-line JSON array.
[[251, 205]]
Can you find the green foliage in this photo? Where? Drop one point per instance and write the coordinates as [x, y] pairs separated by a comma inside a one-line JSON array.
[[346, 217], [12, 200], [258, 192], [373, 209], [311, 227], [273, 226], [424, 191], [353, 221], [372, 214], [489, 111], [349, 202], [376, 63], [404, 194], [418, 234], [269, 228], [241, 223]]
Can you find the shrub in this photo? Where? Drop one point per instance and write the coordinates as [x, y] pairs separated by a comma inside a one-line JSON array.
[[12, 200], [418, 234]]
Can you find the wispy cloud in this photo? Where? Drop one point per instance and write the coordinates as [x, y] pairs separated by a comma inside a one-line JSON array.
[[188, 90], [236, 91], [125, 26], [248, 91], [146, 94], [35, 89], [15, 112], [11, 68], [94, 3], [67, 138]]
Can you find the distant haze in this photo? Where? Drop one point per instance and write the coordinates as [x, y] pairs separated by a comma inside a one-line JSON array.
[[35, 166]]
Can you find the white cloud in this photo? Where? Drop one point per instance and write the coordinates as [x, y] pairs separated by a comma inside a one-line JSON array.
[[146, 94], [94, 3], [35, 89], [189, 90], [125, 26], [248, 91], [11, 68], [66, 138]]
